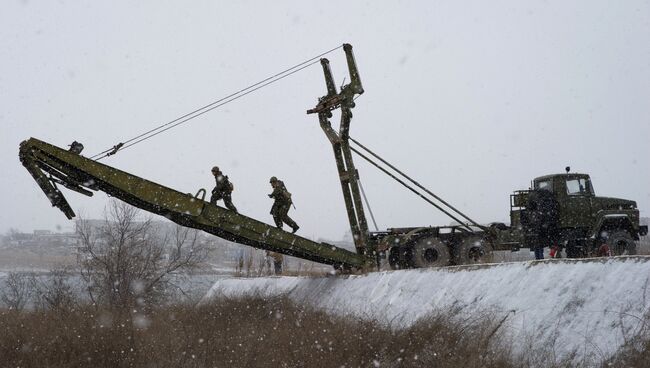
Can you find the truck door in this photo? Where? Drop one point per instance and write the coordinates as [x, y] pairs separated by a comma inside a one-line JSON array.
[[576, 206]]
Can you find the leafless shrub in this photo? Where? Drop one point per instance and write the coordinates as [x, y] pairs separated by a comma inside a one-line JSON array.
[[268, 262], [248, 266], [16, 290], [55, 291], [636, 350], [127, 262], [261, 264], [252, 263], [239, 269]]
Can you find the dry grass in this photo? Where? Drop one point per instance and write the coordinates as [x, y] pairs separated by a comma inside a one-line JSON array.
[[250, 332], [253, 332]]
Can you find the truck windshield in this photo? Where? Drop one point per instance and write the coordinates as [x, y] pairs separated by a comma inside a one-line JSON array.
[[578, 186]]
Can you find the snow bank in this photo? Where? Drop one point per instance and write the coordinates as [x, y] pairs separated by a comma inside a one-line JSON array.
[[584, 307]]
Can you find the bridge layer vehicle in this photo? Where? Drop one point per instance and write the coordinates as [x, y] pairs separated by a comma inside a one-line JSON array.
[[560, 210]]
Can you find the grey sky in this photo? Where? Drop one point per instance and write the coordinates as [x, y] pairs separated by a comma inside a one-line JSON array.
[[473, 99]]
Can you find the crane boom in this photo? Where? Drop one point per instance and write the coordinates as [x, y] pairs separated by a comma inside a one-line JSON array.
[[50, 165]]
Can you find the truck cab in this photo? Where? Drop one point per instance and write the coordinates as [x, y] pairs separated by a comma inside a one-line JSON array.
[[574, 194], [563, 209]]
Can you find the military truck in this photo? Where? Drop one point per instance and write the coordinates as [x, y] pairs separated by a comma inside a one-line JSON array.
[[557, 209], [563, 210]]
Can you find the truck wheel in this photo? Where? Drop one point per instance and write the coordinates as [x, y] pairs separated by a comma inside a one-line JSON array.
[[400, 258], [573, 250], [430, 252], [621, 243], [474, 250]]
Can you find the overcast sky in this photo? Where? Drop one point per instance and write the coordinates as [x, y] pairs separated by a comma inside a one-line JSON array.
[[471, 98]]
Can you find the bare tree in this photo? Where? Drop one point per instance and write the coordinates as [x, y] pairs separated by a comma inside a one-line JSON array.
[[12, 235], [16, 290], [56, 291], [239, 269], [128, 261], [261, 262], [249, 262]]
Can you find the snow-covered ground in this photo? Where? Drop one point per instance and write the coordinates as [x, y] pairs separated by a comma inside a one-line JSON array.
[[586, 307]]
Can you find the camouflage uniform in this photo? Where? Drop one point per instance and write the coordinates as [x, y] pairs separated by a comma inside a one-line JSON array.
[[281, 205], [222, 190]]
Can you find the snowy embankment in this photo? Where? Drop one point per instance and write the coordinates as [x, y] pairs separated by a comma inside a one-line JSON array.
[[584, 307]]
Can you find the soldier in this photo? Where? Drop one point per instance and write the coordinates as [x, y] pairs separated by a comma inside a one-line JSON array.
[[539, 251], [222, 190], [281, 205], [277, 261]]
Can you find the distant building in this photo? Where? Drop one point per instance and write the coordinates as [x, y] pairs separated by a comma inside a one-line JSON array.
[[40, 238]]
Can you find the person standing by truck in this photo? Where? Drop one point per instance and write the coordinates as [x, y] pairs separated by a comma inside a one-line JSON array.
[[222, 190], [281, 205], [278, 259]]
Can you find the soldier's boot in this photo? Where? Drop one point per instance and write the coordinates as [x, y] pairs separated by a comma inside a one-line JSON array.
[[231, 206], [291, 223]]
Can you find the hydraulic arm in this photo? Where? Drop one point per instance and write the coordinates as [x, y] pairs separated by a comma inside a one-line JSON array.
[[52, 166], [348, 174]]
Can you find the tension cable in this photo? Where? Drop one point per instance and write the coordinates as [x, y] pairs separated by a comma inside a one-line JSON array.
[[211, 106], [369, 160], [365, 199], [415, 183]]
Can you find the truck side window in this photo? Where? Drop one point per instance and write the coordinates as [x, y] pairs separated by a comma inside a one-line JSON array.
[[577, 186], [545, 185]]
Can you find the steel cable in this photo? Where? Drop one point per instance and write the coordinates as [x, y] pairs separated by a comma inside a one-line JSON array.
[[211, 106], [416, 183], [369, 160], [372, 216]]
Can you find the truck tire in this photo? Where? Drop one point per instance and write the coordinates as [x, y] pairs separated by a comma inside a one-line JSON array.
[[430, 252], [474, 250], [400, 258], [620, 242], [573, 250]]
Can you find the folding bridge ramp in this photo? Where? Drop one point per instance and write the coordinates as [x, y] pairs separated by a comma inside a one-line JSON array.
[[50, 165]]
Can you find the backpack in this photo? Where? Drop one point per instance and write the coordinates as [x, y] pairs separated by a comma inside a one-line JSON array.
[[285, 193]]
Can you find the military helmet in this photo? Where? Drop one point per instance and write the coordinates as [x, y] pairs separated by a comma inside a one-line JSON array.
[[273, 179], [215, 169]]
